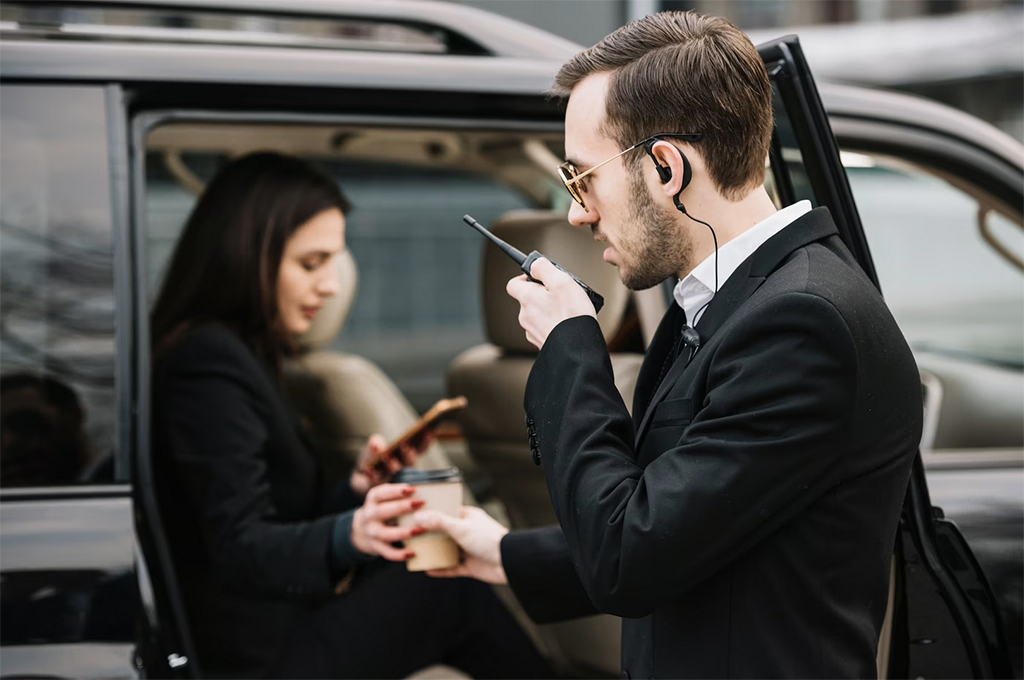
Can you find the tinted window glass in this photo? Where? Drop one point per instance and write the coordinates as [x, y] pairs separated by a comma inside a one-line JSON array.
[[951, 291], [56, 288], [959, 302]]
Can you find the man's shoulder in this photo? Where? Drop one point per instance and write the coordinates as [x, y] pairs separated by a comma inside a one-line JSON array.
[[823, 269], [822, 280]]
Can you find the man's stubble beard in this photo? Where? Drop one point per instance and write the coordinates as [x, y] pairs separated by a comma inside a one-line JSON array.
[[657, 247]]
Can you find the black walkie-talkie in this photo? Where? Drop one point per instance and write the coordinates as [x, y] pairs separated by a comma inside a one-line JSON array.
[[526, 261]]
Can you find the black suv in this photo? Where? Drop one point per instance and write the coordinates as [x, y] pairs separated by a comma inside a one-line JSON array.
[[113, 114]]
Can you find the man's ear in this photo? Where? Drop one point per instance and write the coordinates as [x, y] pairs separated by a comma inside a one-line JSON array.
[[675, 172]]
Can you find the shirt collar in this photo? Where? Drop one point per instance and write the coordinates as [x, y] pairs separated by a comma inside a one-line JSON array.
[[697, 288]]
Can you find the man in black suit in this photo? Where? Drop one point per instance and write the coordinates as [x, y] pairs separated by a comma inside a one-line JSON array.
[[742, 521]]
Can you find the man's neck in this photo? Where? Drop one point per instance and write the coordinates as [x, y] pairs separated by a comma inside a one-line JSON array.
[[729, 219]]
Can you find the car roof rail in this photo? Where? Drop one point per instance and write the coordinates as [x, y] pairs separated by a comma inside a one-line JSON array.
[[425, 27], [260, 25]]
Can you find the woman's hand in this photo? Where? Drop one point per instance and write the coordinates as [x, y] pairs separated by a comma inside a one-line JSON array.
[[408, 454], [373, 529]]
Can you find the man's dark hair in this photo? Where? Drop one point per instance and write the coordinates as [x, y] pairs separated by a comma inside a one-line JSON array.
[[225, 266], [684, 72]]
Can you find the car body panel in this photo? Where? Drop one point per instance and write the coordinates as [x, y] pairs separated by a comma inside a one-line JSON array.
[[983, 498], [271, 66], [68, 584]]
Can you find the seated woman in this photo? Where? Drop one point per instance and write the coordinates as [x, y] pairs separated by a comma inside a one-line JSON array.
[[282, 577]]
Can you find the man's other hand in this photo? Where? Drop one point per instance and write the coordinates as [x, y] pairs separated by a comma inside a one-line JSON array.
[[544, 306], [479, 536]]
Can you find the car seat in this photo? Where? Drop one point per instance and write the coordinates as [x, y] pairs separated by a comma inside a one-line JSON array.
[[347, 397], [493, 377]]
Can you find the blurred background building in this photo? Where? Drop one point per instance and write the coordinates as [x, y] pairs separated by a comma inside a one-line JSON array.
[[965, 53]]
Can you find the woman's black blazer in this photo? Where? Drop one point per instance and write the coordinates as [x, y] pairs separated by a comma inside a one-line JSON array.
[[241, 493]]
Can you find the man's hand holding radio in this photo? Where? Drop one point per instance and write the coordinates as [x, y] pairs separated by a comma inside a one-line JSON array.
[[545, 305]]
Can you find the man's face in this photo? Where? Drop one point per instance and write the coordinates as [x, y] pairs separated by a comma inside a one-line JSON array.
[[644, 238]]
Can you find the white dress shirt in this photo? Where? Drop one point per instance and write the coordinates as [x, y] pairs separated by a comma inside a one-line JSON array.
[[696, 290]]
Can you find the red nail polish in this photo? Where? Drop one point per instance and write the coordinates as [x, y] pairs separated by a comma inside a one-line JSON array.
[[409, 490], [418, 530], [409, 554], [418, 503]]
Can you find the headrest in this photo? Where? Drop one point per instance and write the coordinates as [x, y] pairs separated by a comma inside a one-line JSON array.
[[331, 317], [572, 247]]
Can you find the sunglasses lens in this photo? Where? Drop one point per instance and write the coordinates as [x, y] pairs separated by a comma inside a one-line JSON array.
[[568, 173]]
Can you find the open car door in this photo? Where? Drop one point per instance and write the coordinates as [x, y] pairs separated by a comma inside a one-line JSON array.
[[943, 621]]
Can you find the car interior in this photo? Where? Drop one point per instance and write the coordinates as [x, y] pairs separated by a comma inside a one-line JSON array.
[[423, 313], [968, 336], [347, 396]]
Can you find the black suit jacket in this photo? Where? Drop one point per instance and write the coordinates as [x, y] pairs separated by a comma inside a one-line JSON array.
[[743, 521], [240, 492]]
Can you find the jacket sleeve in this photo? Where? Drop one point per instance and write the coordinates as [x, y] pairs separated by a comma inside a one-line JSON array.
[[542, 576], [340, 497], [217, 432], [764, 445]]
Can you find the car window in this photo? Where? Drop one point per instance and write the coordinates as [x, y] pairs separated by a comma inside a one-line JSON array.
[[56, 288], [957, 298], [418, 303], [951, 291]]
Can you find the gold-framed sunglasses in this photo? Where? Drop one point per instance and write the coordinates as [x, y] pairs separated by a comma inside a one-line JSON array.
[[574, 180]]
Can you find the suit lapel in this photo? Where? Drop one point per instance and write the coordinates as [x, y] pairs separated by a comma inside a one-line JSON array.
[[741, 284]]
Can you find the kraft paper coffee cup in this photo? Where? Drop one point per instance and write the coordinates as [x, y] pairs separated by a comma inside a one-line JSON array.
[[442, 490]]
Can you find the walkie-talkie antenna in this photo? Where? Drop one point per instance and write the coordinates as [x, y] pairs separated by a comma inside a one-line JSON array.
[[525, 262], [511, 251]]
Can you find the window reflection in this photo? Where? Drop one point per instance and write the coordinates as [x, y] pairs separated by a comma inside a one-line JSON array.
[[56, 288]]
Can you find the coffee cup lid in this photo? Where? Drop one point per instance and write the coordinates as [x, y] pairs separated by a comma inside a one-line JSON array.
[[414, 476]]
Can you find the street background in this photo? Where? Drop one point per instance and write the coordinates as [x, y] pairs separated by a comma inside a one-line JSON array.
[[968, 54]]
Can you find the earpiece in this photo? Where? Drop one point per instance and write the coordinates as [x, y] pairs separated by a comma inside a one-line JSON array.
[[689, 334], [664, 173]]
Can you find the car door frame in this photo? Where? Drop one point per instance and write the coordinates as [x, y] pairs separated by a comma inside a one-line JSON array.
[[917, 549], [169, 649], [963, 153]]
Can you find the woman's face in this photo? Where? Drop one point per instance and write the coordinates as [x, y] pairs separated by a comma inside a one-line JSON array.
[[308, 274]]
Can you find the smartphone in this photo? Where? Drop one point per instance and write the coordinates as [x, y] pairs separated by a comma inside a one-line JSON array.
[[430, 419]]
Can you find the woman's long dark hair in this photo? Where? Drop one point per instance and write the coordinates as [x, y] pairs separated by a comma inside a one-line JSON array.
[[224, 268]]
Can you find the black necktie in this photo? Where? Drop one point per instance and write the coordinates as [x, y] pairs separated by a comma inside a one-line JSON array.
[[671, 357]]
